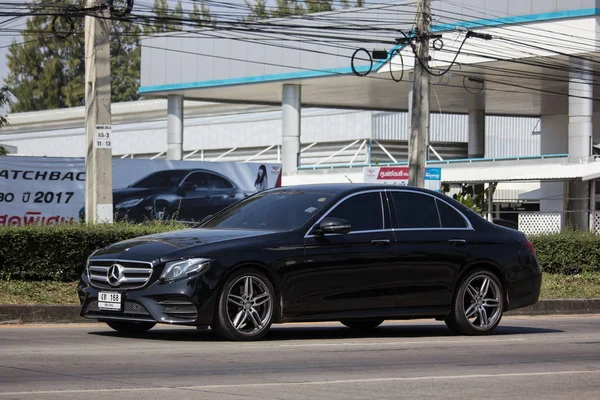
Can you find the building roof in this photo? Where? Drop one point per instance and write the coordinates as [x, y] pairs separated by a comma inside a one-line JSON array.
[[517, 173], [520, 75]]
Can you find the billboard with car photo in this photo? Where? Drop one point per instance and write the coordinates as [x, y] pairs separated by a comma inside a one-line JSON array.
[[46, 191]]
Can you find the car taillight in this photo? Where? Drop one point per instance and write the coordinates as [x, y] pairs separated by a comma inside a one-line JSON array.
[[529, 246]]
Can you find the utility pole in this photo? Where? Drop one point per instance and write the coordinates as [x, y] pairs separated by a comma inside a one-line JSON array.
[[419, 130], [98, 129]]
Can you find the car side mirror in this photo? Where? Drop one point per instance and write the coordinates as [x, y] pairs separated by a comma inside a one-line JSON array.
[[334, 225]]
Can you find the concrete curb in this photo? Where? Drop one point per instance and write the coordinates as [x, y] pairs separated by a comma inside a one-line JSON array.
[[26, 313], [35, 313], [555, 307]]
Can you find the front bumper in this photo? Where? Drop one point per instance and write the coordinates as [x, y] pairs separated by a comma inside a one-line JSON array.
[[185, 302]]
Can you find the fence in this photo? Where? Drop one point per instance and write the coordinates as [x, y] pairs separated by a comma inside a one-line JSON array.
[[533, 223]]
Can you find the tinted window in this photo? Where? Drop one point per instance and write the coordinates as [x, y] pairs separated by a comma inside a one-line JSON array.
[[200, 179], [363, 211], [160, 179], [274, 210], [449, 216], [217, 182], [415, 210]]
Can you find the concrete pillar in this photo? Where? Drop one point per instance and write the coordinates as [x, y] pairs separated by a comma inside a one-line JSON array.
[[581, 112], [175, 127], [581, 93], [553, 140], [291, 115], [477, 125]]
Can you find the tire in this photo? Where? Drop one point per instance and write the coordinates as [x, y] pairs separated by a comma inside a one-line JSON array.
[[478, 304], [130, 327], [362, 324], [245, 307], [161, 213]]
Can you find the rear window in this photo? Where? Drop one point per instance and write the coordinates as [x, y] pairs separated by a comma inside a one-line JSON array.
[[449, 216]]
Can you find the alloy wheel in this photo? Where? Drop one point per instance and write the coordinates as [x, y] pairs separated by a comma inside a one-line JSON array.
[[482, 302], [249, 305]]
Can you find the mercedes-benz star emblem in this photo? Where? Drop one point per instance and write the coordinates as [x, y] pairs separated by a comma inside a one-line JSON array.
[[115, 273]]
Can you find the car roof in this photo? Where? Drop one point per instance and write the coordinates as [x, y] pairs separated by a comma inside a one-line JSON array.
[[352, 187]]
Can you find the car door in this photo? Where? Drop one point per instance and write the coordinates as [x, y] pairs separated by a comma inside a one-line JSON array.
[[194, 204], [221, 193], [348, 272], [431, 245]]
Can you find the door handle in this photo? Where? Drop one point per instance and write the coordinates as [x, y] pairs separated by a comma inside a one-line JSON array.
[[380, 242], [457, 242]]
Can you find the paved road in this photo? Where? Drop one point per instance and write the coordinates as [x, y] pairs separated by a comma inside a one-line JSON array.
[[531, 357]]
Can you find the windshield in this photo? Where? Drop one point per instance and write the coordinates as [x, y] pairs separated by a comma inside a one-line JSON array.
[[273, 210], [161, 179]]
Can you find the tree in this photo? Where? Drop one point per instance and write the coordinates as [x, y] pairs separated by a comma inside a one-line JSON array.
[[315, 6], [201, 16], [48, 72], [285, 8], [45, 72], [164, 20], [473, 196], [3, 102], [125, 61], [258, 9]]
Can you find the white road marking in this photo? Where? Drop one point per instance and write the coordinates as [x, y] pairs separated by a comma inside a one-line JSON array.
[[311, 383]]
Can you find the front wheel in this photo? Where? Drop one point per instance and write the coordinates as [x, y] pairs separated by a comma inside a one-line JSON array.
[[131, 327], [246, 306], [478, 304], [362, 324]]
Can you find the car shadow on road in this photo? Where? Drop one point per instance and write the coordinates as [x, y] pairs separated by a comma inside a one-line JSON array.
[[295, 332]]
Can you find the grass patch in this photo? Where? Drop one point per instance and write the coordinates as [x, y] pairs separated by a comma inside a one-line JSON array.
[[554, 286], [47, 292], [585, 285]]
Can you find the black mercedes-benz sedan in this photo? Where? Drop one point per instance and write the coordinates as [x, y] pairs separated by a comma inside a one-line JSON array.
[[354, 253]]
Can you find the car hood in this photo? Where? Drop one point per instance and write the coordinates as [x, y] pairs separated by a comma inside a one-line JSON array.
[[152, 247]]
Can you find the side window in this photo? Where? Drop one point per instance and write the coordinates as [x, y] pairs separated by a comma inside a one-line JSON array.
[[449, 216], [199, 179], [363, 211], [217, 182], [415, 210]]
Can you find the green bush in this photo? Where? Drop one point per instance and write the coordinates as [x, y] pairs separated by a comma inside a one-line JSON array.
[[568, 253], [60, 252]]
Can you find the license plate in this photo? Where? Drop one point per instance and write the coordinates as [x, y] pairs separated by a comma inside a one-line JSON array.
[[109, 301]]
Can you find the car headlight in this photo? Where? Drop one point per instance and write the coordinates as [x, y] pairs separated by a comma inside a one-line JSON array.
[[129, 203], [183, 268]]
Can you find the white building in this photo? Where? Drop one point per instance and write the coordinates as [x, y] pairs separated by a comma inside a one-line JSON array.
[[530, 127]]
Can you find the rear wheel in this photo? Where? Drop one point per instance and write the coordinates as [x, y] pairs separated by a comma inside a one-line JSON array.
[[246, 306], [362, 324], [130, 327], [478, 304]]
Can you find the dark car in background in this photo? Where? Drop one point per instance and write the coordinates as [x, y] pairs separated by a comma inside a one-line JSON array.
[[359, 254], [182, 194]]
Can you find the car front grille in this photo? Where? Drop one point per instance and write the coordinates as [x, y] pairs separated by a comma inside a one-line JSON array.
[[119, 274], [129, 307]]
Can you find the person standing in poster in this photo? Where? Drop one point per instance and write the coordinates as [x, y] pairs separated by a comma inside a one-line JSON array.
[[261, 179]]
